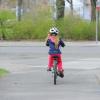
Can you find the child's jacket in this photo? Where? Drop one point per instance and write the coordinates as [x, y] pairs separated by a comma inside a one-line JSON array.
[[52, 49]]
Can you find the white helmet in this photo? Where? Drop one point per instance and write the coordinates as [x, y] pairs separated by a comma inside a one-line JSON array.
[[54, 30]]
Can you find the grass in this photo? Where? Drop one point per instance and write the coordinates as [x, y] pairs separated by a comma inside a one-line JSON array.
[[3, 72]]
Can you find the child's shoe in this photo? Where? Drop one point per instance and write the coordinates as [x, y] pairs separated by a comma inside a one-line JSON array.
[[61, 73]]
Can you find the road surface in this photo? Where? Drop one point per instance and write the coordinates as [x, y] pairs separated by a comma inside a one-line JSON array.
[[29, 80]]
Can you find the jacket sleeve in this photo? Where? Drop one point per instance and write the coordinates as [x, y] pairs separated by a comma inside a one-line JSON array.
[[47, 42], [62, 43]]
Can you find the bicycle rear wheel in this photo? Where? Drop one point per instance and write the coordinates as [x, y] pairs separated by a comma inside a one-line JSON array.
[[55, 72]]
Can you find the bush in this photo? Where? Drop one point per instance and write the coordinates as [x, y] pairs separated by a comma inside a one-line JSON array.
[[5, 17], [74, 28], [29, 30], [6, 14], [71, 28]]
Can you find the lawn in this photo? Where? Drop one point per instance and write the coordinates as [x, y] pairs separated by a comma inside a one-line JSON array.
[[3, 72]]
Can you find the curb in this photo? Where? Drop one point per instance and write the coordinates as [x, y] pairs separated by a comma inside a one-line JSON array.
[[31, 43]]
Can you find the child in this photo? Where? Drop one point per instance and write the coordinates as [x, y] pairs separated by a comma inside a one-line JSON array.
[[54, 43]]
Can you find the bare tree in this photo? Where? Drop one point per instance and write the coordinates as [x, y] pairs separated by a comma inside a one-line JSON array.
[[93, 9], [60, 4], [71, 5], [19, 9], [0, 2]]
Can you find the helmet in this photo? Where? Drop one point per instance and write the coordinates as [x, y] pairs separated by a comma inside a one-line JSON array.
[[54, 30]]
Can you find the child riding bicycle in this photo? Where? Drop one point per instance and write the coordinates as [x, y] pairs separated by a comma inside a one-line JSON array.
[[54, 43]]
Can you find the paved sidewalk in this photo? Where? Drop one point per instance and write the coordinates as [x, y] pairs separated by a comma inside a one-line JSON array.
[[37, 43]]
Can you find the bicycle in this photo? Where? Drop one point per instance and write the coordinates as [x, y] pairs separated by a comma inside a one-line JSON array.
[[55, 72]]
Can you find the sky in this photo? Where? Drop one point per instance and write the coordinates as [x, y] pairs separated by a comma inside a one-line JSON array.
[[80, 9], [75, 3]]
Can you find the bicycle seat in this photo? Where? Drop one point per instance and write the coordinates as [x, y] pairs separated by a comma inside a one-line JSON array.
[[55, 57]]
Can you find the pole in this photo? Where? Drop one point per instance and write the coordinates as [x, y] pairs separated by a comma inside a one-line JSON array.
[[97, 19], [97, 25]]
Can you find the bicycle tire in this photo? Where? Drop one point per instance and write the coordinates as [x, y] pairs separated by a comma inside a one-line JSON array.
[[55, 72]]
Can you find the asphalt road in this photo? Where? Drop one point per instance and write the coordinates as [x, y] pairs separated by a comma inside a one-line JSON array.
[[29, 80]]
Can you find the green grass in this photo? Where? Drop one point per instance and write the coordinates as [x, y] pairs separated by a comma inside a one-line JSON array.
[[3, 72]]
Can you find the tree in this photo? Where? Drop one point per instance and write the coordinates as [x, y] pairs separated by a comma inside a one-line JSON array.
[[71, 5], [19, 9], [93, 9], [5, 17], [60, 5], [0, 2]]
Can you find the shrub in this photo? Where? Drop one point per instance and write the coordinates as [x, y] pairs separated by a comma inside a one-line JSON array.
[[74, 28], [71, 28], [5, 17]]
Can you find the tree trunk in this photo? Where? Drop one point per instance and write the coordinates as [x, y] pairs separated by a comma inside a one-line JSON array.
[[93, 10], [0, 2], [71, 5], [60, 5], [19, 9]]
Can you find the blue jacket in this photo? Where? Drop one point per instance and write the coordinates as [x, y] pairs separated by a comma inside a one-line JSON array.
[[52, 49]]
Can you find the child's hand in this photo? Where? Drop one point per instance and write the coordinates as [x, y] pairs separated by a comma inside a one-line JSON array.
[[48, 34]]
